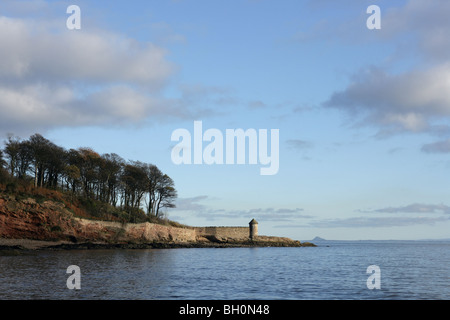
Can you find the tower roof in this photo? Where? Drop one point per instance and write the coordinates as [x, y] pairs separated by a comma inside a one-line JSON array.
[[253, 222]]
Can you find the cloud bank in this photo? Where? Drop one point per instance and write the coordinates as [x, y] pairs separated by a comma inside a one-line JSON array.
[[397, 103], [196, 208], [398, 100], [51, 76], [414, 208]]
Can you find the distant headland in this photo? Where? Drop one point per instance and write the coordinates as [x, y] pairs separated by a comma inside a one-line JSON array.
[[37, 223], [51, 197]]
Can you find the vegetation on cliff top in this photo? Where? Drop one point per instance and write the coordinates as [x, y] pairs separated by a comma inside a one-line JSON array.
[[95, 186]]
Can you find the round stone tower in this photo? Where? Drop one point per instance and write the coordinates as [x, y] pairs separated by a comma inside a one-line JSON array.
[[253, 226]]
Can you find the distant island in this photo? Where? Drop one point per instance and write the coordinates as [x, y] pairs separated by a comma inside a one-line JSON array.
[[54, 198]]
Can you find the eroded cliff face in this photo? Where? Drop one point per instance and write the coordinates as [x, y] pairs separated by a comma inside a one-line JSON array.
[[51, 221], [27, 219]]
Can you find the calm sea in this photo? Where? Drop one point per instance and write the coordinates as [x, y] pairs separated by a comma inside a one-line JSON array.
[[333, 270]]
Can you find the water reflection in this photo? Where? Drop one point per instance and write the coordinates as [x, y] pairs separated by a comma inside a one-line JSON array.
[[338, 271]]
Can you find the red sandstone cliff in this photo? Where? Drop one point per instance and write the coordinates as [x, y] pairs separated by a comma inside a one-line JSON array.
[[27, 219], [50, 220]]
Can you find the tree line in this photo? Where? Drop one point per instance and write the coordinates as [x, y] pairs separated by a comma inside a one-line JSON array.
[[129, 185]]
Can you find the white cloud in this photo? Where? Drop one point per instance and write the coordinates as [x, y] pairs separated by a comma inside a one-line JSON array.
[[416, 99], [298, 144], [407, 102], [196, 208], [34, 51], [37, 107], [408, 215], [437, 147], [191, 204], [427, 24], [414, 208], [50, 76], [263, 214], [24, 6], [376, 222]]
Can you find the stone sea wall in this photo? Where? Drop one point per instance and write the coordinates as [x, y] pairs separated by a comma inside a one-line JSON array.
[[136, 232], [221, 233]]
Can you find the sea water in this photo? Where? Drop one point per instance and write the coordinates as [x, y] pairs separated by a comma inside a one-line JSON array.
[[332, 270]]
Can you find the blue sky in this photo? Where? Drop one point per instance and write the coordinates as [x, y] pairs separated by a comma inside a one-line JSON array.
[[363, 114]]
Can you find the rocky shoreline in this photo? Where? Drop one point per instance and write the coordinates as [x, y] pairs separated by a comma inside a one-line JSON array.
[[27, 224], [28, 244]]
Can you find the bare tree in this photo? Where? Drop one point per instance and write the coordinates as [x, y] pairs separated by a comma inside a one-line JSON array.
[[107, 178], [166, 194], [153, 177], [89, 169], [2, 161], [12, 150], [134, 180], [112, 167]]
